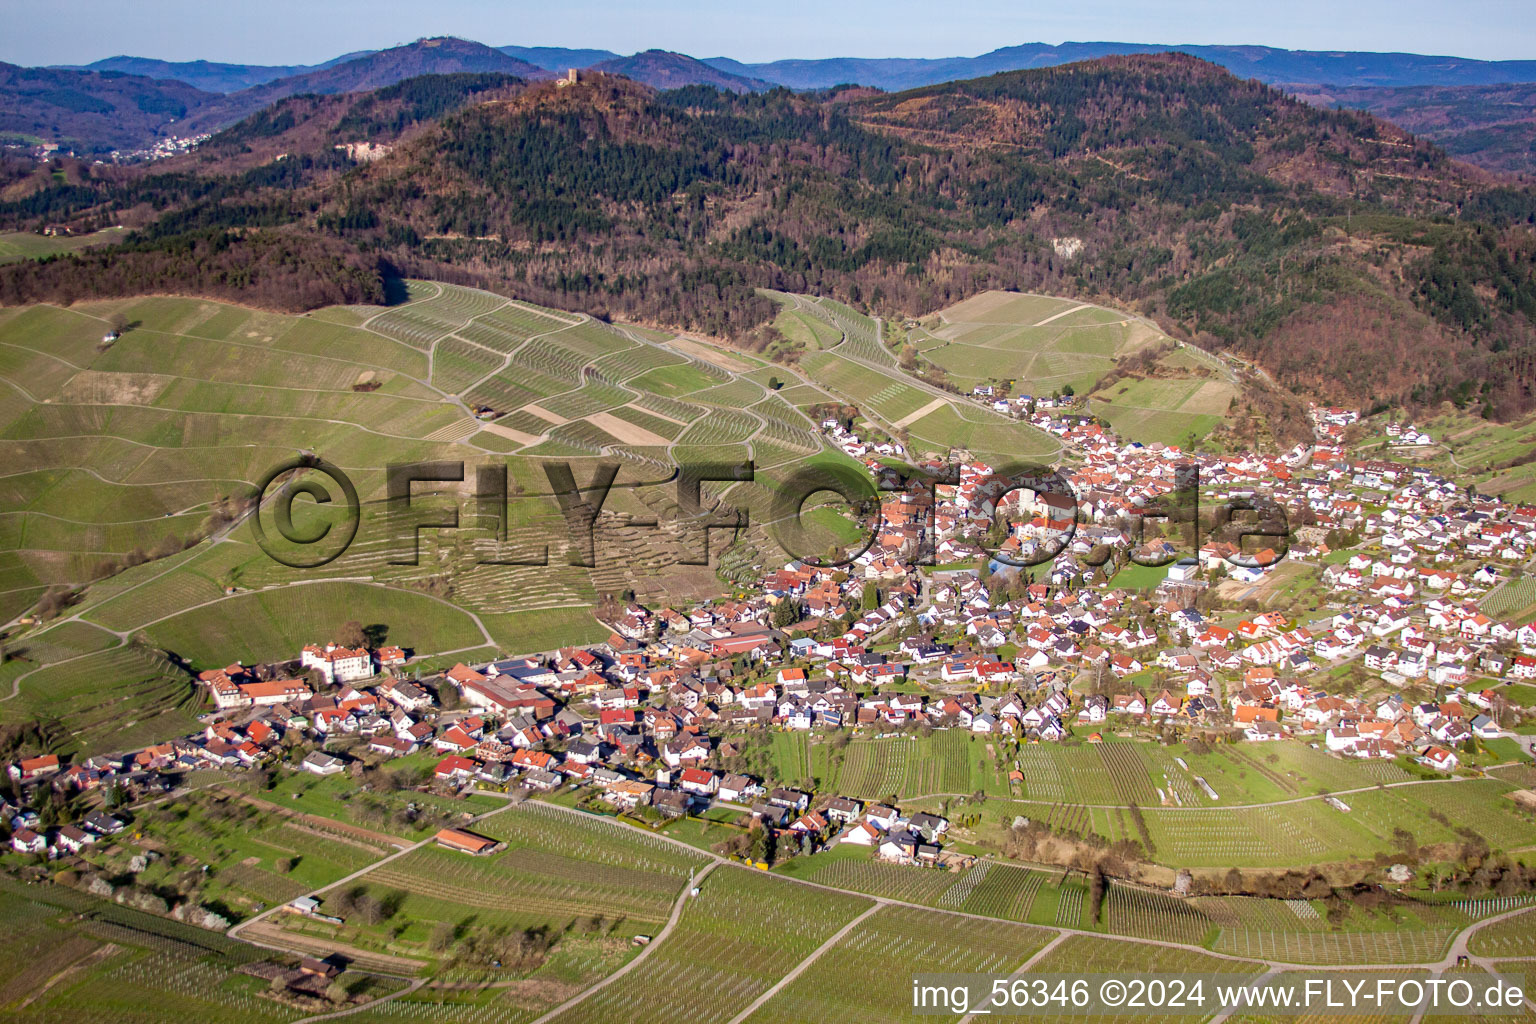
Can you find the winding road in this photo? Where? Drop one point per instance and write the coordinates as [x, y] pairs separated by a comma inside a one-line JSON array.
[[1059, 933]]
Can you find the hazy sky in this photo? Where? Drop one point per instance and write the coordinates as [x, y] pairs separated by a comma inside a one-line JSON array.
[[309, 31]]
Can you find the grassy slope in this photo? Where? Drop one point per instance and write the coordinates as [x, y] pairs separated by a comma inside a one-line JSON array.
[[133, 445]]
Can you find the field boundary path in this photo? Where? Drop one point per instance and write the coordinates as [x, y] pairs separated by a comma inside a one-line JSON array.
[[1066, 312], [234, 930], [1023, 969], [415, 984], [1458, 945], [801, 966], [677, 915], [1227, 1011]]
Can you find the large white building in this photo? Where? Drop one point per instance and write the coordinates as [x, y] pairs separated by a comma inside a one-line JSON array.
[[338, 664]]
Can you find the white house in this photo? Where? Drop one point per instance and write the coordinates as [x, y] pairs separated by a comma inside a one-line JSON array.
[[336, 663]]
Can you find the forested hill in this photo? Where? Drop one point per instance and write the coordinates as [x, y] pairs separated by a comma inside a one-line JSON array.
[[1352, 260], [372, 71], [91, 110], [1492, 126], [663, 70]]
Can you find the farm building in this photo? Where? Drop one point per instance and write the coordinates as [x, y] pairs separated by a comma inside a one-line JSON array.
[[465, 842]]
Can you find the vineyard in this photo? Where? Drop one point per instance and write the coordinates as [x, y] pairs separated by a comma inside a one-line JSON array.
[[523, 886], [1514, 936], [1513, 597], [743, 932], [588, 837], [1295, 931], [1337, 948], [1086, 955], [482, 1006], [988, 888], [1293, 834], [1128, 772], [557, 867], [896, 942], [1005, 892], [1069, 906], [121, 966], [902, 765], [457, 364], [1154, 915], [895, 881]]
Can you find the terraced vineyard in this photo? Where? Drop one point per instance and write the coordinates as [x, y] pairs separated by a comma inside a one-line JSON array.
[[135, 446], [110, 700]]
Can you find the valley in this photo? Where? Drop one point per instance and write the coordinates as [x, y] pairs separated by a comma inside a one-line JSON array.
[[571, 534]]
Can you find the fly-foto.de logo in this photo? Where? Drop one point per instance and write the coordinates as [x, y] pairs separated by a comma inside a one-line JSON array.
[[1035, 506]]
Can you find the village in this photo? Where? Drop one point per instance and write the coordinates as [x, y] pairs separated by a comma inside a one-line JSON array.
[[880, 645]]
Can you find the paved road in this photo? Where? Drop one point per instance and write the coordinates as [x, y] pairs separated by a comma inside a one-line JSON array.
[[1447, 961], [235, 930], [1459, 946], [677, 913], [801, 966], [1024, 969]]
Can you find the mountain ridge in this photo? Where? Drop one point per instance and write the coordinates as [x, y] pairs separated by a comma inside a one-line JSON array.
[[1492, 126], [92, 111], [1348, 258], [440, 55], [664, 69], [235, 91], [210, 76], [1271, 65]]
